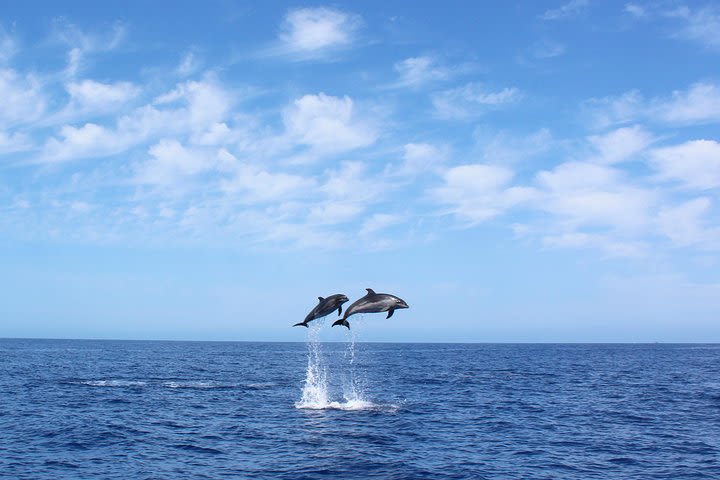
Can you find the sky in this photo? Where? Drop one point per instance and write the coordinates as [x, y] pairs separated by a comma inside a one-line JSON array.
[[520, 172]]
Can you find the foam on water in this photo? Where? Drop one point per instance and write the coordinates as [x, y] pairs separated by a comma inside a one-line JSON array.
[[112, 383], [198, 384]]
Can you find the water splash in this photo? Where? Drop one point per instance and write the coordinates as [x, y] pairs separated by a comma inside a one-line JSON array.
[[315, 390], [354, 383]]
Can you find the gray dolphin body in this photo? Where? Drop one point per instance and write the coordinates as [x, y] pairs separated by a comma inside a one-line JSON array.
[[373, 303], [324, 307]]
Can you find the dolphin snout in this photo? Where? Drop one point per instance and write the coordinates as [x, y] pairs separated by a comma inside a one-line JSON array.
[[402, 304]]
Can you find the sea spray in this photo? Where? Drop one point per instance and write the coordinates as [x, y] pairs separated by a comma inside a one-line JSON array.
[[354, 382], [315, 390]]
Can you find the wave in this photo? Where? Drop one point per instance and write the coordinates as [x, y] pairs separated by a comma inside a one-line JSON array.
[[111, 383], [200, 385], [349, 405], [261, 385]]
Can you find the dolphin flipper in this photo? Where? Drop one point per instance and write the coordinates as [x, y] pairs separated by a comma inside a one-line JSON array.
[[342, 322], [390, 313], [339, 310], [301, 323]]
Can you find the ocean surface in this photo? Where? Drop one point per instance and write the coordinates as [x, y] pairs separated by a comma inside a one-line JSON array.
[[74, 409]]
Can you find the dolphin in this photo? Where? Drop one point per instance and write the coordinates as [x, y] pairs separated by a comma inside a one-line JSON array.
[[373, 303], [324, 307]]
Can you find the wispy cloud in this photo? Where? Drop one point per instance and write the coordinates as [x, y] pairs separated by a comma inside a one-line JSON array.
[[701, 25], [696, 164], [8, 45], [635, 10], [688, 224], [23, 100], [475, 193], [570, 9], [621, 144], [82, 43], [700, 103], [471, 100], [14, 142], [418, 71], [586, 195], [419, 158], [189, 64], [507, 148]]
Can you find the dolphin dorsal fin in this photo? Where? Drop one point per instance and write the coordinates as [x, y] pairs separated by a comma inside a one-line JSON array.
[[321, 299], [370, 291]]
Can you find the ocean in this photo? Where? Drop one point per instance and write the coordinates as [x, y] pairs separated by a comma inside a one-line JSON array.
[[85, 409]]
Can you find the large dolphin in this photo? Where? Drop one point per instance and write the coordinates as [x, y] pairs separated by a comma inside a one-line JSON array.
[[324, 307], [373, 303]]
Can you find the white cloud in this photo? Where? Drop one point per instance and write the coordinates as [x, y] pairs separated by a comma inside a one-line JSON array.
[[585, 195], [379, 221], [684, 224], [327, 124], [508, 149], [347, 192], [695, 163], [90, 140], [470, 100], [194, 108], [477, 192], [621, 144], [701, 26], [8, 46], [255, 185], [635, 10], [83, 43], [417, 71], [332, 213], [607, 111], [352, 182], [700, 103], [92, 96], [188, 65], [570, 9], [14, 142], [22, 98], [313, 31], [419, 158], [216, 134], [207, 101], [171, 163]]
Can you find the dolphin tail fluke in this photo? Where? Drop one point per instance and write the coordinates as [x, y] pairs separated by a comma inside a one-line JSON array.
[[301, 323], [342, 322]]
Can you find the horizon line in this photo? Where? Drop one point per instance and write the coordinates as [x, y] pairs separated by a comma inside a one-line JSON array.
[[357, 341]]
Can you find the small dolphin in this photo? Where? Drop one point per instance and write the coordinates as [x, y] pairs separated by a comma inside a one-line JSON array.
[[373, 303], [324, 307]]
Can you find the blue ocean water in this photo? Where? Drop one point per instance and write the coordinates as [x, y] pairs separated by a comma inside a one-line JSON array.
[[156, 410]]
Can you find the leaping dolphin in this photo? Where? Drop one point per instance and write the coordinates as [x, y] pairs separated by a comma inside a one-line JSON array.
[[373, 303], [324, 307]]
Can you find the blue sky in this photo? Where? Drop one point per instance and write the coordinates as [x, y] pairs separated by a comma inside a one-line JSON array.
[[537, 171]]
